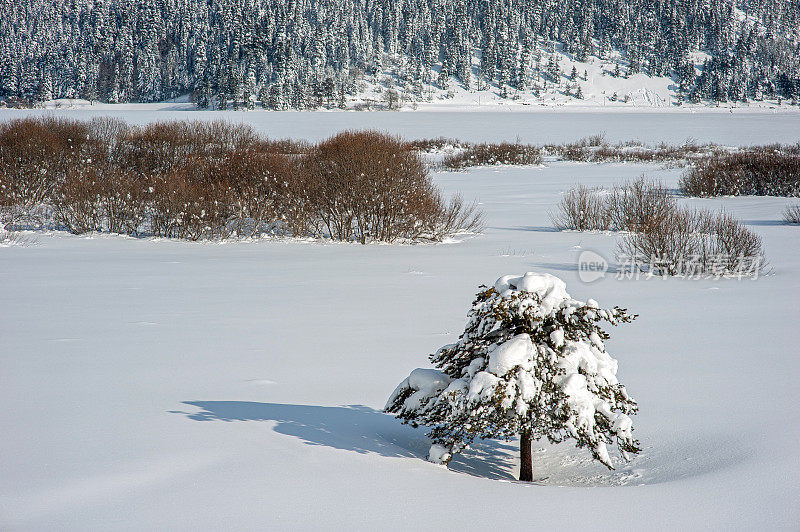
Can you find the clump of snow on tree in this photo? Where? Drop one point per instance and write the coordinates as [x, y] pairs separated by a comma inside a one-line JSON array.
[[531, 362]]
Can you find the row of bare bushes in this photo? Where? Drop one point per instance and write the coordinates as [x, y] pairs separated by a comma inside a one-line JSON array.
[[761, 171], [434, 144], [713, 170], [589, 149], [595, 149], [212, 180], [493, 154], [660, 235]]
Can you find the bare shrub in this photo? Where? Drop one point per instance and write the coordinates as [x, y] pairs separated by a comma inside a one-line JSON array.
[[454, 217], [283, 146], [626, 208], [366, 186], [493, 154], [79, 201], [659, 235], [427, 145], [764, 171], [260, 185], [792, 214], [125, 201], [598, 139], [663, 243], [689, 242], [732, 245], [635, 204], [596, 149], [189, 205], [159, 146], [35, 155], [570, 152], [109, 135], [582, 209], [13, 238]]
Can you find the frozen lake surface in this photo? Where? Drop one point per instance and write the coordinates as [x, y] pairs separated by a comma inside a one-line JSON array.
[[741, 127]]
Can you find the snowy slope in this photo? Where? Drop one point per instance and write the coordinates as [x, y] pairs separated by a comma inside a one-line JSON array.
[[600, 87], [160, 384]]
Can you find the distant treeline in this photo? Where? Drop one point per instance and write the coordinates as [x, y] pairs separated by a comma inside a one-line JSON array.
[[312, 53]]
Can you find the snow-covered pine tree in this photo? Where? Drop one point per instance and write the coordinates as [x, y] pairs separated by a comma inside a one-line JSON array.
[[148, 50], [530, 363]]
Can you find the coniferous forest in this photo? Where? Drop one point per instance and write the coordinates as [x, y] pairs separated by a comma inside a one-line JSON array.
[[298, 54]]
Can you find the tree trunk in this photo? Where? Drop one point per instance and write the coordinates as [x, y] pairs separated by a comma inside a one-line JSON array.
[[525, 457]]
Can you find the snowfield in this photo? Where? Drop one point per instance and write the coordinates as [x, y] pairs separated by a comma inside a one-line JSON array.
[[156, 384], [730, 127]]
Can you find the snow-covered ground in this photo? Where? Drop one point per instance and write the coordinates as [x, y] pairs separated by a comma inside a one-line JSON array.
[[170, 385]]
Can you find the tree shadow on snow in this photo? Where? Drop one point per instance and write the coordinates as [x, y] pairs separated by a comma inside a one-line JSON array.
[[765, 223], [528, 228], [364, 430], [611, 268], [487, 459], [355, 428]]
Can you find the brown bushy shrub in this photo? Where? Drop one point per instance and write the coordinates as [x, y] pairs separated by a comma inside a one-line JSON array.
[[366, 186], [78, 201], [109, 135], [159, 146], [493, 154], [764, 171], [189, 203], [125, 201], [211, 180], [283, 146], [35, 156], [261, 186]]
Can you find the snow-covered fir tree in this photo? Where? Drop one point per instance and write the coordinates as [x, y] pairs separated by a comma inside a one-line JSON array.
[[531, 363], [148, 50]]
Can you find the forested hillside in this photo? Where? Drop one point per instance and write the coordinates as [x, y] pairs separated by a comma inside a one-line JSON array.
[[324, 53]]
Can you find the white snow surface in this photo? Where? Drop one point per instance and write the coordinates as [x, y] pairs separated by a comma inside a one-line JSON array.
[[729, 127], [155, 384], [438, 454], [550, 288], [424, 382], [511, 353]]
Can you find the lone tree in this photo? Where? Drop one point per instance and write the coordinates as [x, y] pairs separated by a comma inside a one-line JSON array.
[[531, 362]]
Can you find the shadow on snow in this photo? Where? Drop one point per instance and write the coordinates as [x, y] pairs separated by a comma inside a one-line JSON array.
[[360, 429]]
